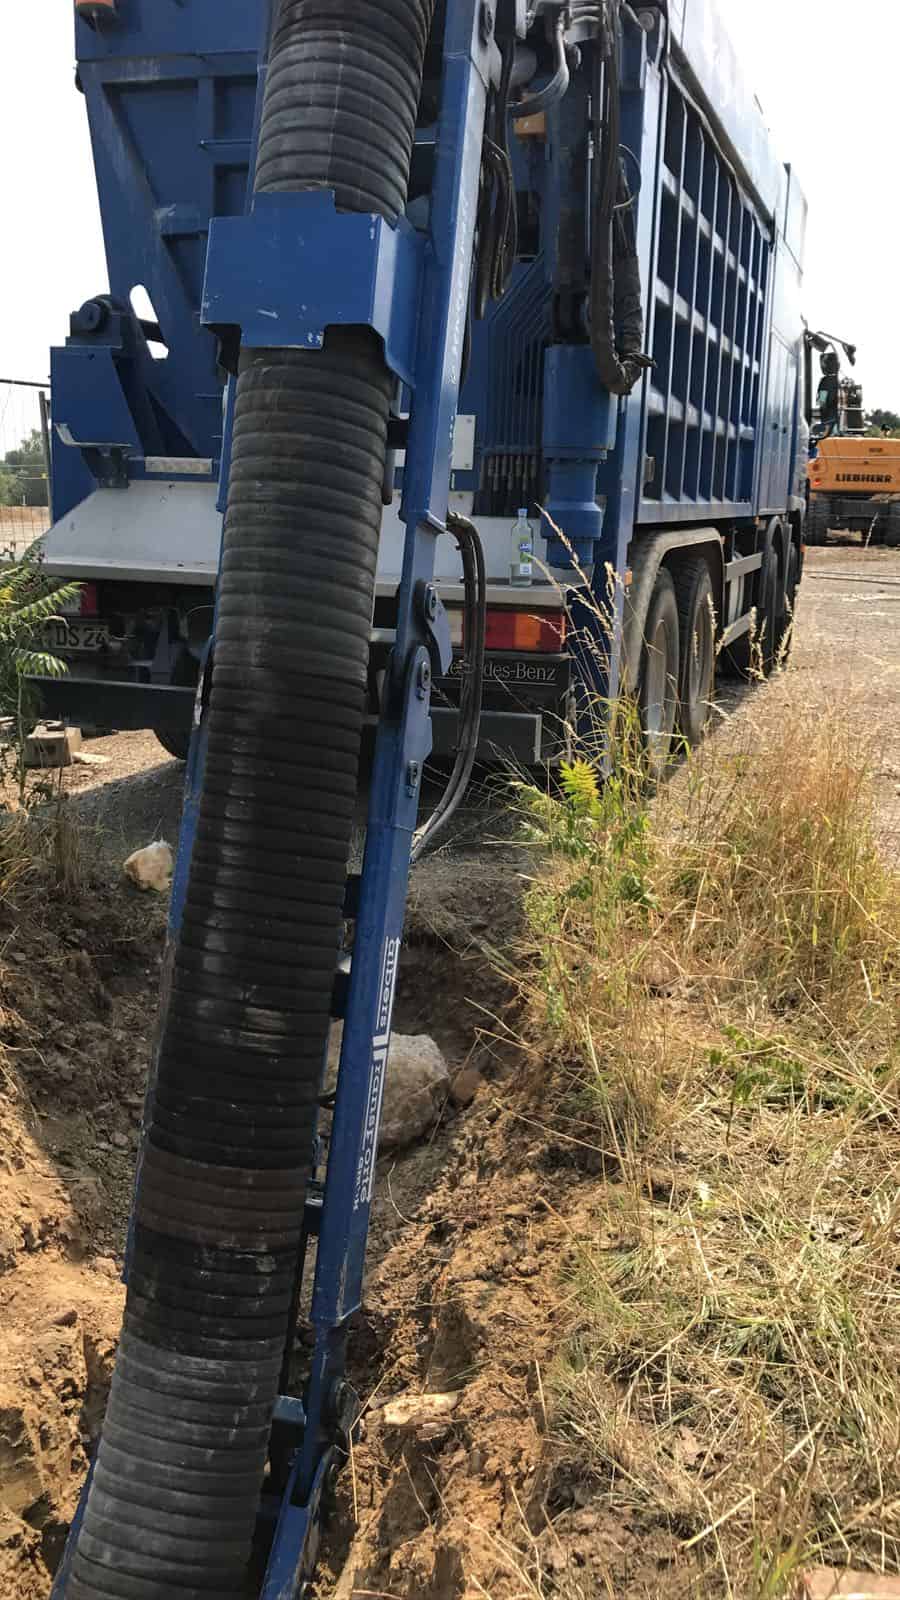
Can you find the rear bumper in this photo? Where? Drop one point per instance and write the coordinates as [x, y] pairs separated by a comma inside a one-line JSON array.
[[105, 702], [115, 703]]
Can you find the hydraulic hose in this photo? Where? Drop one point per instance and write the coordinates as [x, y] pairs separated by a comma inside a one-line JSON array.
[[472, 696], [617, 317], [231, 1115]]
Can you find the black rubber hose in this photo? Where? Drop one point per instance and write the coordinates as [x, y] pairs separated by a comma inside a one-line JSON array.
[[472, 695], [228, 1142], [617, 317]]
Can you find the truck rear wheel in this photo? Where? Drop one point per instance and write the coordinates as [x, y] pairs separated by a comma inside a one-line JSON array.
[[785, 632], [697, 626], [770, 610], [658, 682], [817, 520], [173, 742]]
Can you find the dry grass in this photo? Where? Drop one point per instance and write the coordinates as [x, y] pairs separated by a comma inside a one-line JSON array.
[[43, 848], [717, 983]]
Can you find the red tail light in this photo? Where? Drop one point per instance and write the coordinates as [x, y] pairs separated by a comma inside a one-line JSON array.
[[536, 632], [90, 600]]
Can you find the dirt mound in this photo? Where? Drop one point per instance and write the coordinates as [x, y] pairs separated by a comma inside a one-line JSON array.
[[78, 969], [465, 1294]]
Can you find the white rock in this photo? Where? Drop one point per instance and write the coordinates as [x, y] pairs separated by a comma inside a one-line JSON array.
[[418, 1083], [151, 868], [89, 758], [415, 1410]]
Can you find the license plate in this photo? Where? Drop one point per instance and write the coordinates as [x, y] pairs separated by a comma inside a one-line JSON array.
[[72, 636]]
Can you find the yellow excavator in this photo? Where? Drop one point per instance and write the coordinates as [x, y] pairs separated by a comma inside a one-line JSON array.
[[854, 479]]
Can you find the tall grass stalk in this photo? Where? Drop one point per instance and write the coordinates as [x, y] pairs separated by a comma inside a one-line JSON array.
[[713, 977]]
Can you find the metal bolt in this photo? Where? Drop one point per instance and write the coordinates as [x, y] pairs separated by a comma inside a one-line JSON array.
[[413, 774], [486, 22], [423, 680], [431, 602]]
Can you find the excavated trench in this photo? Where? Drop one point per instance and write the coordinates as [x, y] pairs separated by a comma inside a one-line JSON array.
[[79, 975]]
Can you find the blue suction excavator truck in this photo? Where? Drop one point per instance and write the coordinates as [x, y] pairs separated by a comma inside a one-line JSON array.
[[383, 274]]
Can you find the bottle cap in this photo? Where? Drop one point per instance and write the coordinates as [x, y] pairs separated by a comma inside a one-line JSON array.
[[523, 511]]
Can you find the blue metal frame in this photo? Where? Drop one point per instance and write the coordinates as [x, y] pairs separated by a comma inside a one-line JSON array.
[[170, 92], [359, 271], [709, 307]]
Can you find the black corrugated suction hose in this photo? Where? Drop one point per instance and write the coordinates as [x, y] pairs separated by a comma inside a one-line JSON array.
[[227, 1148]]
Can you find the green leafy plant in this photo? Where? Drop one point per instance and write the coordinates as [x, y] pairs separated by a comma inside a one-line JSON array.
[[28, 601]]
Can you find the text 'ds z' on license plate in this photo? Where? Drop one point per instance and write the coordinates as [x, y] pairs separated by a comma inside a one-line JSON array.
[[69, 636]]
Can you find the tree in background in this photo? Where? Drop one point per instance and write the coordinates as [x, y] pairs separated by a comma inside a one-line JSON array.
[[23, 473], [883, 423]]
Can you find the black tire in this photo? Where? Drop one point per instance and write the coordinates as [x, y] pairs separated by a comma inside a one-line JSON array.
[[770, 608], [697, 629], [785, 635], [177, 741], [658, 680], [174, 742], [892, 535], [817, 520]]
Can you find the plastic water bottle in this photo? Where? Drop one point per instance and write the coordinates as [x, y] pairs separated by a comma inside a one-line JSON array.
[[521, 564]]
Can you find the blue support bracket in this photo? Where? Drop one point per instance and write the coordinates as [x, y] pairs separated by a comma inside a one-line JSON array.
[[295, 266], [295, 1545], [580, 425]]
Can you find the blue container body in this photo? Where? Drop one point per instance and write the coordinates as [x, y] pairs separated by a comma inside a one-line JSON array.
[[709, 436], [170, 93]]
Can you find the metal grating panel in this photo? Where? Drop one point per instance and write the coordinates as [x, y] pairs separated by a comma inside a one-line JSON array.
[[707, 325], [511, 441]]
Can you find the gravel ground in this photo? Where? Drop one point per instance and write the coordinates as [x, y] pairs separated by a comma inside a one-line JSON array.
[[847, 658]]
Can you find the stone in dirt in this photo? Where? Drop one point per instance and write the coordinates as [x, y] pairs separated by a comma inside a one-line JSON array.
[[830, 1583], [418, 1410], [464, 1086], [89, 758], [416, 1089], [151, 868]]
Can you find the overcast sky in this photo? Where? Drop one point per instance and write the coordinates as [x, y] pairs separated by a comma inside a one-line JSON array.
[[826, 75]]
